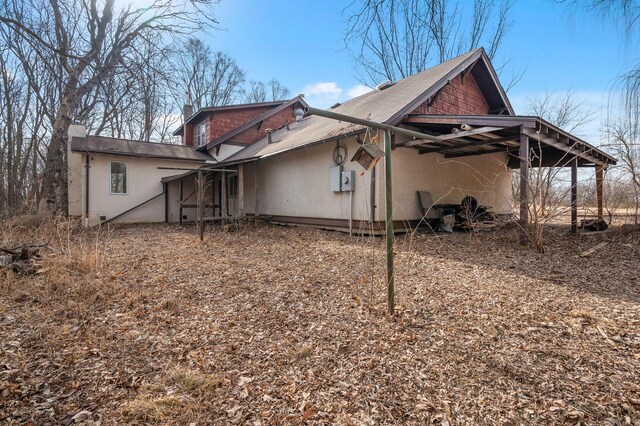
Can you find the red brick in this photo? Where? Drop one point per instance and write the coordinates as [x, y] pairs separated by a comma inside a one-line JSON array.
[[459, 97]]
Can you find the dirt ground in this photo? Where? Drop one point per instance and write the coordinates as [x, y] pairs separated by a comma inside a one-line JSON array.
[[278, 326]]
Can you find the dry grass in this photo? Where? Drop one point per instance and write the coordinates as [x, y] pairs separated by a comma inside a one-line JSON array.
[[146, 325]]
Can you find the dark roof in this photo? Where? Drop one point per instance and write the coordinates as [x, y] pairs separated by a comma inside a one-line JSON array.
[[133, 148], [201, 111], [251, 123]]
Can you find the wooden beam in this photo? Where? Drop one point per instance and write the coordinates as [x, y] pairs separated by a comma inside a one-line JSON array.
[[200, 202], [571, 148], [471, 144], [574, 196], [224, 198], [478, 131], [600, 190], [524, 188], [469, 154], [495, 120], [435, 96], [240, 210]]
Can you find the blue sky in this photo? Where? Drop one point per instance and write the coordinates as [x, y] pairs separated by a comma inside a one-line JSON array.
[[301, 44]]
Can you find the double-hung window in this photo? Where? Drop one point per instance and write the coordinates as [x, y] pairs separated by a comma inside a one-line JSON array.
[[118, 182], [202, 133]]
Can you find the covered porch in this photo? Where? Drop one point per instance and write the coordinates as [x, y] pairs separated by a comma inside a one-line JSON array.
[[527, 141], [205, 194]]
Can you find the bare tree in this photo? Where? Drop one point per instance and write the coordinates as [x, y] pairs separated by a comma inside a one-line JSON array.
[[84, 42], [226, 81], [257, 92], [273, 90], [569, 112], [621, 129], [622, 138], [394, 39], [21, 120], [278, 91], [208, 78]]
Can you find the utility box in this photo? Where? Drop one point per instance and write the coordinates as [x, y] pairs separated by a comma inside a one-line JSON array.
[[335, 177], [348, 180]]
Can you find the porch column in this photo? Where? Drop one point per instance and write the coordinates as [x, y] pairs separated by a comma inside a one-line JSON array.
[[574, 196], [524, 188], [240, 212], [599, 189]]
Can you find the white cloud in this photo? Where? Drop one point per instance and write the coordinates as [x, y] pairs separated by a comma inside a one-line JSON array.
[[357, 90], [322, 94], [326, 93], [328, 88]]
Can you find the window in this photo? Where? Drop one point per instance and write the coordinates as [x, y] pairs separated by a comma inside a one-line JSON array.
[[202, 133], [118, 177], [232, 191]]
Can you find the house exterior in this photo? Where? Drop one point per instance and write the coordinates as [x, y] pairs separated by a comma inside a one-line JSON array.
[[275, 162]]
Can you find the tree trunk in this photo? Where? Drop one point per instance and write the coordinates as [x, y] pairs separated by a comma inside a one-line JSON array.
[[54, 178]]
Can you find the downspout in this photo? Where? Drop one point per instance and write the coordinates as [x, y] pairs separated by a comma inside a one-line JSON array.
[[86, 189]]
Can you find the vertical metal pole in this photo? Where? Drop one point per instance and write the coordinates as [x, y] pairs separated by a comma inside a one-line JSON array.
[[389, 222], [574, 196], [524, 189], [600, 189]]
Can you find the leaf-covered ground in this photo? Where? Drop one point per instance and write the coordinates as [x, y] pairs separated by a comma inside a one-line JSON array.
[[272, 325]]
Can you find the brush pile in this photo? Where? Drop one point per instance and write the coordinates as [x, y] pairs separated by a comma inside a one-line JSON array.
[[23, 259]]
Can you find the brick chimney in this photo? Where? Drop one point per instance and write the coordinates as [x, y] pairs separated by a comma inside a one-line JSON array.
[[187, 112]]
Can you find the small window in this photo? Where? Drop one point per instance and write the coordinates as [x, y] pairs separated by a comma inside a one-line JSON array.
[[202, 133], [118, 177], [233, 186]]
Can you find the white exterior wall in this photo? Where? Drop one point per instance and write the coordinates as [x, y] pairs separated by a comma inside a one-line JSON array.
[[297, 183], [76, 173], [484, 177], [143, 182]]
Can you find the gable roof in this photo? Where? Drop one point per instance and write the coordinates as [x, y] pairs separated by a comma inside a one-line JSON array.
[[132, 148], [389, 105], [201, 111], [251, 123]]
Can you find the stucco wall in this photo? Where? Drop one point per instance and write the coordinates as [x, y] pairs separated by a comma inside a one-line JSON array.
[[75, 175], [484, 177], [144, 182], [297, 184]]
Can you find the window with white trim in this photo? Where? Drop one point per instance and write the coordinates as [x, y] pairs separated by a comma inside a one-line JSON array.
[[202, 133], [118, 176]]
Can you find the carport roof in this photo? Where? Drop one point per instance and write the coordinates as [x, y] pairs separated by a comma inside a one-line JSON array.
[[551, 145]]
